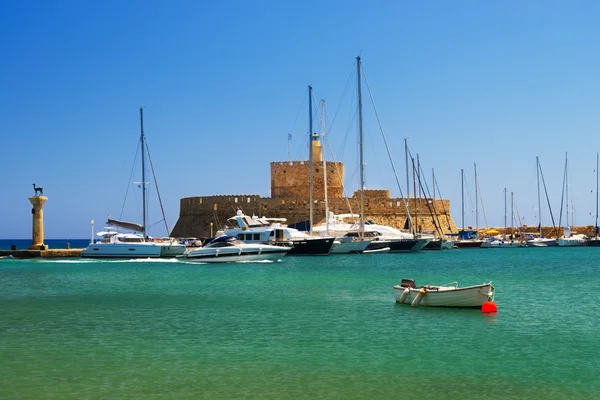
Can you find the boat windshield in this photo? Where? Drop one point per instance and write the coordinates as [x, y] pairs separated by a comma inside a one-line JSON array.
[[224, 241]]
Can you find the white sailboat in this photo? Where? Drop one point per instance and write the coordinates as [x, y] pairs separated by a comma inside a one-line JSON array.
[[595, 241], [568, 238], [502, 242], [136, 244], [540, 241]]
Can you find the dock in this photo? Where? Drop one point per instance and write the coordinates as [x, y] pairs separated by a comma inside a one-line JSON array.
[[54, 253]]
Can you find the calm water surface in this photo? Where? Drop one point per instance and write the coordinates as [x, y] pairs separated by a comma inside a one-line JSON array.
[[302, 328]]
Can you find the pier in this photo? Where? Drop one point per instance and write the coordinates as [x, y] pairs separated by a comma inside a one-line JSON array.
[[55, 253]]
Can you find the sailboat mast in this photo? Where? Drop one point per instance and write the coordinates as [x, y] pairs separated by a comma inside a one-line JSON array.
[[310, 156], [476, 205], [433, 181], [505, 216], [406, 159], [596, 227], [462, 197], [323, 134], [360, 141], [512, 214], [537, 166], [144, 211], [414, 228], [567, 188]]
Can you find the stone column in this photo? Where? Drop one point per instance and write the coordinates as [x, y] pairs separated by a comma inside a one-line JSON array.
[[37, 235]]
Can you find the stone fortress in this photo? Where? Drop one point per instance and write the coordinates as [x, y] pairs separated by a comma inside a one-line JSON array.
[[290, 187]]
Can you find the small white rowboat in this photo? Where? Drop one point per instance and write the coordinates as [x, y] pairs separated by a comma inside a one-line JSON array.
[[449, 295]]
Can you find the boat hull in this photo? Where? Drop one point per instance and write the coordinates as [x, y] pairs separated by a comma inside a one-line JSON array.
[[122, 250], [570, 242], [171, 250], [447, 296], [465, 244], [439, 244], [346, 247], [307, 247], [542, 242], [233, 254], [501, 244], [406, 245]]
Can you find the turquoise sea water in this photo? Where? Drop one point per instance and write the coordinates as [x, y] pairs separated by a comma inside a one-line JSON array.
[[302, 328]]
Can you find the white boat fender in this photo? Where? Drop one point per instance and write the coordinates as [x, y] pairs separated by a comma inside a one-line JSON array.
[[419, 297], [404, 295]]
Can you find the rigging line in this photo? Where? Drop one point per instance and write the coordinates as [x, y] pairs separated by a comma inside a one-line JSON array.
[[435, 184], [388, 151], [137, 151], [339, 175], [157, 191], [348, 82], [547, 197], [518, 218], [427, 194], [434, 215], [298, 114], [562, 196], [418, 171], [482, 208]]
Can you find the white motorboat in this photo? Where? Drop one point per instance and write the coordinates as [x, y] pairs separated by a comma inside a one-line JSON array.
[[570, 239], [229, 249], [542, 242], [271, 231], [503, 243], [449, 295], [396, 240]]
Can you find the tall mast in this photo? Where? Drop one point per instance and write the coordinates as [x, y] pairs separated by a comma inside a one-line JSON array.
[[414, 227], [144, 211], [505, 216], [324, 167], [406, 159], [567, 188], [596, 227], [462, 197], [476, 205], [433, 181], [310, 156], [419, 179], [512, 213], [360, 141], [537, 165]]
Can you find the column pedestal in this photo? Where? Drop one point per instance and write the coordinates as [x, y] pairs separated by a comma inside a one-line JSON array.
[[37, 232]]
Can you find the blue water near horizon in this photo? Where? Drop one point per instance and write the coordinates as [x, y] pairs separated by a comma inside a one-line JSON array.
[[302, 328], [23, 244]]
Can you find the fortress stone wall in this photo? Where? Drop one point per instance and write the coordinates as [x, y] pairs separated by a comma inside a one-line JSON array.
[[290, 188], [197, 213]]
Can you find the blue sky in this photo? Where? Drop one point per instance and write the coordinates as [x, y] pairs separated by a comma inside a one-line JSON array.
[[223, 83]]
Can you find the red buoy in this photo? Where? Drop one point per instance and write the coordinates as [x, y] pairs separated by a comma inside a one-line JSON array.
[[489, 307]]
